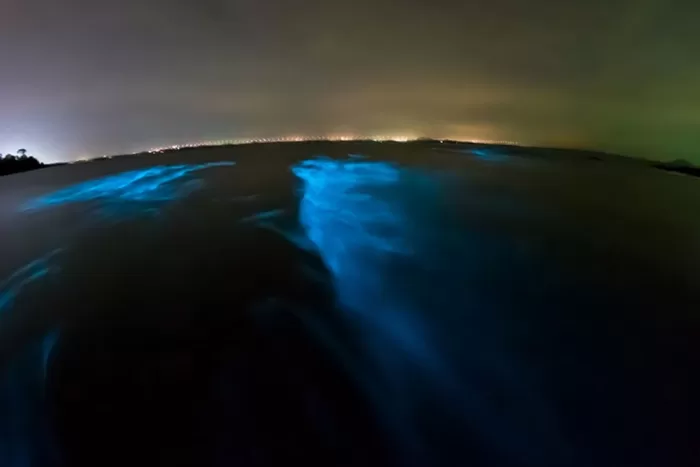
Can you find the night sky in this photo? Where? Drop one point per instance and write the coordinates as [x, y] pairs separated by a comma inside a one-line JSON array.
[[83, 78]]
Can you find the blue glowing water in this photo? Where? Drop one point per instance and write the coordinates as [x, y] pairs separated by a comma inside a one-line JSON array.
[[25, 438], [155, 184], [401, 273], [489, 155], [47, 346], [436, 321], [339, 216], [263, 216], [27, 274]]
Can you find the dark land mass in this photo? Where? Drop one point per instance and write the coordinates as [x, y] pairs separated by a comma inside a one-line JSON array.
[[12, 164], [680, 166]]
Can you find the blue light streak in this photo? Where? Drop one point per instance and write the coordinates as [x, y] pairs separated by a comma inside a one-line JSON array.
[[154, 184], [25, 437], [263, 216], [47, 346], [402, 272], [339, 213], [354, 216], [351, 214], [489, 155], [11, 287]]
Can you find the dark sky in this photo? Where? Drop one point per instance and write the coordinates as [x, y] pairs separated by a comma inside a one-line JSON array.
[[90, 77]]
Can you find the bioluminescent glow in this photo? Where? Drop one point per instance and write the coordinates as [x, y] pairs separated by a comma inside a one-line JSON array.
[[483, 154], [339, 214], [25, 438], [154, 184], [489, 155], [264, 216], [47, 346], [402, 273], [350, 213], [31, 272]]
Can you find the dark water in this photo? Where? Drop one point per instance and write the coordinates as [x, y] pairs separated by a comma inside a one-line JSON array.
[[384, 305]]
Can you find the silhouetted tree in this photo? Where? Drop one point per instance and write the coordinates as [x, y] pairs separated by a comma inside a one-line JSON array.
[[10, 163]]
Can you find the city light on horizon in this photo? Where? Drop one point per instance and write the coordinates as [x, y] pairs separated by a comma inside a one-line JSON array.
[[297, 139]]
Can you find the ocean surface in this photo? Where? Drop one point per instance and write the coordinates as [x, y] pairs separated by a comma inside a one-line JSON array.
[[350, 304]]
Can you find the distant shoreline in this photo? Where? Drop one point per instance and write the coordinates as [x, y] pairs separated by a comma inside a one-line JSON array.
[[679, 166]]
